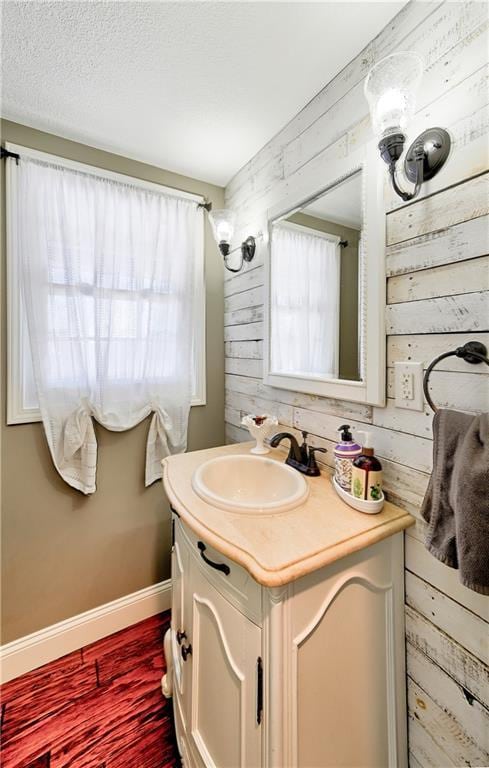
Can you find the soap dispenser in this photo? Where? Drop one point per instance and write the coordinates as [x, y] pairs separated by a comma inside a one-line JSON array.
[[366, 480], [344, 453]]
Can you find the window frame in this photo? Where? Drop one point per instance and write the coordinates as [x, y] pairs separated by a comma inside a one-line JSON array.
[[17, 334]]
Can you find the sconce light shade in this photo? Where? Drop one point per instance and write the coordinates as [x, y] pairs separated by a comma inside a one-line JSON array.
[[391, 88], [223, 223]]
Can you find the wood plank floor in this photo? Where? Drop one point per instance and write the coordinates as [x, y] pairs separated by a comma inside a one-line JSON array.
[[99, 707]]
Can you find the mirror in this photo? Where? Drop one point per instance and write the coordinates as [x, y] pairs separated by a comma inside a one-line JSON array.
[[314, 293], [325, 286]]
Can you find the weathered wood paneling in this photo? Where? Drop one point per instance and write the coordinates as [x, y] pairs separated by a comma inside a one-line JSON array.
[[463, 202], [446, 314], [471, 715], [465, 627], [256, 387], [422, 564], [440, 281], [244, 300], [250, 278], [423, 746], [458, 748], [461, 665], [249, 349], [242, 316], [243, 367], [245, 332], [424, 348], [444, 246], [245, 404], [437, 287]]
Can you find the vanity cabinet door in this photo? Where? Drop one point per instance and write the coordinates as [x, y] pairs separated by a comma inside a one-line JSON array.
[[224, 726], [347, 663]]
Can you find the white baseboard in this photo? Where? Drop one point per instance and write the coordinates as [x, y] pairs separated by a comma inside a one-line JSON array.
[[32, 651]]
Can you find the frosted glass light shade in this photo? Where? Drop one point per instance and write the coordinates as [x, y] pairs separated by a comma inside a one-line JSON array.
[[223, 222], [391, 87]]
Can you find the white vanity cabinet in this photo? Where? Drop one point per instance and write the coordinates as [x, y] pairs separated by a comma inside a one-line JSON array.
[[306, 675]]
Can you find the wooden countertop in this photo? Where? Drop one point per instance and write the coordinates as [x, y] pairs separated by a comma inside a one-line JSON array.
[[277, 549]]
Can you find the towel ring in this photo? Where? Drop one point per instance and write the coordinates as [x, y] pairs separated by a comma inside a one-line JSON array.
[[473, 352]]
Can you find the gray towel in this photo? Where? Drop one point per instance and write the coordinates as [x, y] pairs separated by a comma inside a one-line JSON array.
[[456, 505]]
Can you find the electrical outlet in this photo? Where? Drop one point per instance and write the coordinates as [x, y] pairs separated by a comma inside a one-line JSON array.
[[408, 384]]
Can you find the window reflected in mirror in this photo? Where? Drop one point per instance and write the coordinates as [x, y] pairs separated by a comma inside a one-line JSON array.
[[314, 286]]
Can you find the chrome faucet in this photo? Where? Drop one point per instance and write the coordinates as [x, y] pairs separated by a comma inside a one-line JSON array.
[[301, 457]]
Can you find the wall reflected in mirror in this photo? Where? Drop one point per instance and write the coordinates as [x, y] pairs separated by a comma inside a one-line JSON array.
[[314, 286]]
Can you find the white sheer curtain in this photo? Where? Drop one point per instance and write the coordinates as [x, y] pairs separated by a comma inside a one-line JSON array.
[[304, 301], [108, 278]]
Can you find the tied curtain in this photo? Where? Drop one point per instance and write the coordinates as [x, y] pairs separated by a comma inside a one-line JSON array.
[[304, 301], [108, 274]]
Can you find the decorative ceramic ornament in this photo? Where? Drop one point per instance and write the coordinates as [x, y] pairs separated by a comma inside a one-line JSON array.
[[260, 427]]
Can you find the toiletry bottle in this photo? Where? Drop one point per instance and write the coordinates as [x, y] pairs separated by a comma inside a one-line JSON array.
[[366, 480], [344, 453]]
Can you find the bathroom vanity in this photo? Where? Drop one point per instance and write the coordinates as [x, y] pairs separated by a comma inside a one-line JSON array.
[[286, 645]]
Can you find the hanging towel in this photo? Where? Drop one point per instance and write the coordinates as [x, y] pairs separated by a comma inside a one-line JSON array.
[[456, 505]]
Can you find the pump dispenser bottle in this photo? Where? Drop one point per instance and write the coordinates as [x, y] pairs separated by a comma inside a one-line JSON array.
[[344, 453], [366, 480]]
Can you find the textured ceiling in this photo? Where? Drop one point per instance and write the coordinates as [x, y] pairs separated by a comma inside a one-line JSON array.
[[197, 88]]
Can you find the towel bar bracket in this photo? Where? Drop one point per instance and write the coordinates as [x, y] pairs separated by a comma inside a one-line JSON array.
[[473, 352]]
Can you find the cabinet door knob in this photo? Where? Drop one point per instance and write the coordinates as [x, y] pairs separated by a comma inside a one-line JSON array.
[[218, 566], [186, 651], [181, 636]]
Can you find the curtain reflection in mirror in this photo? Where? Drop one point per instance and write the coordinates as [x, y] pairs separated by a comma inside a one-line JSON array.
[[304, 301]]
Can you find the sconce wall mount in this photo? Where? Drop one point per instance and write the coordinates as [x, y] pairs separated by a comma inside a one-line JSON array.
[[436, 145], [424, 158], [247, 247]]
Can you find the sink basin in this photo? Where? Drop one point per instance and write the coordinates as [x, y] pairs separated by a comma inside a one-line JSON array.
[[249, 484]]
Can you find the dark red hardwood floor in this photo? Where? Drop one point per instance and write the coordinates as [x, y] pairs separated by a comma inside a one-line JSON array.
[[99, 707]]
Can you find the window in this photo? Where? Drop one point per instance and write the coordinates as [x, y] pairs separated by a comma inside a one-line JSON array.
[[128, 309]]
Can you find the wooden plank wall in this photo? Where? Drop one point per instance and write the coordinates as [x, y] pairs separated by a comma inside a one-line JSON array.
[[437, 293]]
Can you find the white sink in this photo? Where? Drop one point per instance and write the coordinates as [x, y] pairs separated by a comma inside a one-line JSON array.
[[249, 484]]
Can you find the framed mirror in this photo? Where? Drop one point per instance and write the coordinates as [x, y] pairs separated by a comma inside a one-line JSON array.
[[325, 284]]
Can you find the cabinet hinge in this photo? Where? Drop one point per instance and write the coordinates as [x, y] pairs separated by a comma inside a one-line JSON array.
[[259, 690]]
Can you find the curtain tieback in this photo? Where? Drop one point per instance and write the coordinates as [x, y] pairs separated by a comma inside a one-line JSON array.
[[77, 429], [157, 446]]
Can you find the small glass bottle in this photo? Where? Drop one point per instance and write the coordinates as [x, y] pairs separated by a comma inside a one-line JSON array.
[[366, 479]]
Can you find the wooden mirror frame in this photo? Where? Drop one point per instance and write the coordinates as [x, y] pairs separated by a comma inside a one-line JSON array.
[[372, 279]]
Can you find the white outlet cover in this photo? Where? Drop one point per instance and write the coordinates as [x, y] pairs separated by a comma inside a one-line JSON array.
[[414, 370]]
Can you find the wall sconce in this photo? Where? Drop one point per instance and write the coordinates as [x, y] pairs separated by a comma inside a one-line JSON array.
[[390, 88], [223, 222]]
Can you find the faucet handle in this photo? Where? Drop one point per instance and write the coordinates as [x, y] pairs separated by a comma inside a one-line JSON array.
[[304, 448], [312, 463]]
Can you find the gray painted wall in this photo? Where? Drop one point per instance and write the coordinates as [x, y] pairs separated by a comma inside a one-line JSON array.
[[64, 553]]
